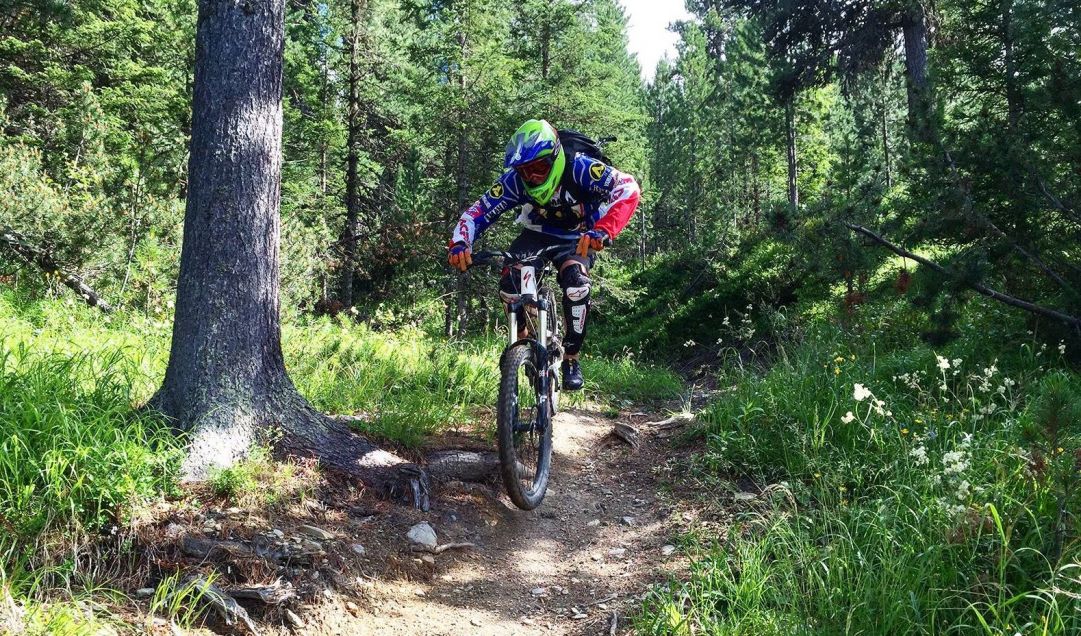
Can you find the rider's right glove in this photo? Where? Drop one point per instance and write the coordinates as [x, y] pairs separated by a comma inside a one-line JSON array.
[[595, 240], [461, 256]]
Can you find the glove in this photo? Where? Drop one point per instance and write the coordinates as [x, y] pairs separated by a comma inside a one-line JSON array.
[[595, 240], [461, 256]]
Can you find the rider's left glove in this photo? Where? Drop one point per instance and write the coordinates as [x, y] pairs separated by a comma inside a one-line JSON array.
[[460, 256], [595, 240]]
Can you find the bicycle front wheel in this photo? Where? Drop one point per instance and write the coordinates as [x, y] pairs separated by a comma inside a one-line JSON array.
[[525, 450]]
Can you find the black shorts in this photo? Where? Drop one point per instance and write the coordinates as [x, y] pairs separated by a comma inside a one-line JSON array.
[[533, 241]]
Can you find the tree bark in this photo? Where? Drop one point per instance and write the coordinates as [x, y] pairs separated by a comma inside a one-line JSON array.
[[353, 124], [790, 138], [914, 28], [226, 384]]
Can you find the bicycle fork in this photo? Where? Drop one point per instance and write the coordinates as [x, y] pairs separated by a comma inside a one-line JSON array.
[[530, 298]]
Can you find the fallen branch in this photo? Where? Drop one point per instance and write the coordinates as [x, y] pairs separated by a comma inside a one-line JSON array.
[[267, 594], [462, 465], [627, 433], [35, 255], [440, 549], [676, 421], [979, 287], [230, 611]]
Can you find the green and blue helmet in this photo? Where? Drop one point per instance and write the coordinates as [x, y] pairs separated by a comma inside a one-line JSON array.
[[535, 153]]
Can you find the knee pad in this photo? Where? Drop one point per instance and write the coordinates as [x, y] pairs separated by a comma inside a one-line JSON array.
[[576, 284], [576, 292]]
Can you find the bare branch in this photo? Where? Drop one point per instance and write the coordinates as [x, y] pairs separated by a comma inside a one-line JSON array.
[[979, 287], [43, 259]]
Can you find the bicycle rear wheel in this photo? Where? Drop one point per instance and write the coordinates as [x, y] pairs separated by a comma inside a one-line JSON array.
[[525, 451]]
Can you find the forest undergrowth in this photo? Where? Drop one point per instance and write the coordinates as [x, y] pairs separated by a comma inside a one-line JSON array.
[[900, 487]]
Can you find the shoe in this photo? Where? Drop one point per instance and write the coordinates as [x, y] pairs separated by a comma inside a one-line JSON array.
[[572, 376]]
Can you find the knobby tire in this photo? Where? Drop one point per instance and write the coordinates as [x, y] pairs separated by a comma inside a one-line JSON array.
[[516, 447]]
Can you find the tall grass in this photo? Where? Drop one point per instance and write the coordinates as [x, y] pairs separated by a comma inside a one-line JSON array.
[[919, 491]]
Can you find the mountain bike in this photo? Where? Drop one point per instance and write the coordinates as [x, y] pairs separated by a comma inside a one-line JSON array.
[[529, 376]]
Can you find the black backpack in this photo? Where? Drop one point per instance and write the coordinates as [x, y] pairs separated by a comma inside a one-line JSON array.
[[574, 142]]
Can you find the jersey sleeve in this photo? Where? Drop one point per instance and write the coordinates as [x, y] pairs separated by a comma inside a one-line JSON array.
[[508, 192], [619, 191]]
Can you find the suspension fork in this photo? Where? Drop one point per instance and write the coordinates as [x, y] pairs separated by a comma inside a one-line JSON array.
[[540, 353]]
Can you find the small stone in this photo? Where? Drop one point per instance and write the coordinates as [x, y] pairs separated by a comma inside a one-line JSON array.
[[617, 552], [423, 534], [293, 619], [628, 521], [359, 549], [596, 557], [745, 496], [475, 622], [429, 559], [594, 523], [579, 616], [144, 592], [278, 534], [327, 593], [421, 593], [316, 533], [351, 606], [668, 549], [234, 511], [311, 546]]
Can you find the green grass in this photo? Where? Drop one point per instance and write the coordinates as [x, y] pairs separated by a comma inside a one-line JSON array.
[[943, 500], [77, 457]]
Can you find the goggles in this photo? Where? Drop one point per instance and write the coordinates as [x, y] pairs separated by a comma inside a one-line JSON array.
[[536, 172]]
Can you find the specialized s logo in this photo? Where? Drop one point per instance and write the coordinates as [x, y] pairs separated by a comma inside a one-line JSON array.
[[496, 192], [596, 171]]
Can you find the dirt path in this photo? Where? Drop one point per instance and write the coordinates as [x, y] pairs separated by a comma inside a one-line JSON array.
[[588, 553]]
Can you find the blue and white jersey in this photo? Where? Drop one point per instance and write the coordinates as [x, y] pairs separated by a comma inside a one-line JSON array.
[[608, 198]]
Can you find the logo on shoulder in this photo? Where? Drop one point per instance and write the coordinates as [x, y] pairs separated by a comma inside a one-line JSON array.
[[496, 192], [596, 171]]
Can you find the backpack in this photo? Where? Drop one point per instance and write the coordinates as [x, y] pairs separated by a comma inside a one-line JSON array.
[[574, 142]]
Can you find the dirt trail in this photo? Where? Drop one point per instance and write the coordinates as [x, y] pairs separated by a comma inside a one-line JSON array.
[[565, 568]]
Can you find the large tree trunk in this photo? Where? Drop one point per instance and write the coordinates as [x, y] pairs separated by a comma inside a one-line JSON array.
[[914, 28], [790, 139], [226, 383]]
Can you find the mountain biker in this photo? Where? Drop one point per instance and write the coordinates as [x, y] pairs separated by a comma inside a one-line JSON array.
[[577, 200]]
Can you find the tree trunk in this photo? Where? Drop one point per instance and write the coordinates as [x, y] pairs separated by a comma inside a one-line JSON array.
[[546, 43], [914, 27], [226, 383], [352, 200], [462, 181], [756, 194], [790, 138], [1014, 97]]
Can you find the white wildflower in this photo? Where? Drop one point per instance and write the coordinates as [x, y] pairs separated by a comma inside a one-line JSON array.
[[943, 363], [848, 417], [860, 393], [920, 455], [957, 362], [1061, 348]]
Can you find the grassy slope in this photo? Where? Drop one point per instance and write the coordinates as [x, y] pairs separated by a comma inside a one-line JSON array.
[[76, 458], [930, 504]]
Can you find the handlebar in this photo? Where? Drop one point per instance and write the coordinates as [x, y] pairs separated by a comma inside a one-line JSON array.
[[553, 252]]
